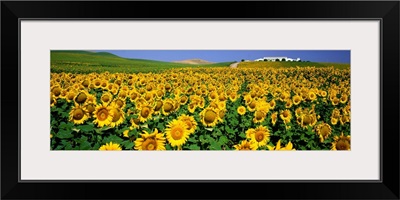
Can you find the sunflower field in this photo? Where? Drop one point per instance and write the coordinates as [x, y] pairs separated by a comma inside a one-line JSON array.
[[299, 108]]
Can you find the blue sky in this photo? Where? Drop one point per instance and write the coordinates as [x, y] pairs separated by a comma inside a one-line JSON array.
[[339, 56]]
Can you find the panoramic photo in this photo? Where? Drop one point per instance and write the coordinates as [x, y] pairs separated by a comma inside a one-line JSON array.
[[264, 100]]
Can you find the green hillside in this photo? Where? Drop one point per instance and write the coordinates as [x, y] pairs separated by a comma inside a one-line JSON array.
[[86, 62]]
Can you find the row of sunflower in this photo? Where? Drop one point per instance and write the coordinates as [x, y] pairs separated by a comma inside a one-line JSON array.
[[203, 108]]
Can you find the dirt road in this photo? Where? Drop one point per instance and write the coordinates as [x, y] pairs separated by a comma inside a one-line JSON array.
[[234, 65]]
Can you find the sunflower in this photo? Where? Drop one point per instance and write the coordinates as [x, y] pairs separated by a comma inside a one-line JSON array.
[[168, 106], [233, 96], [311, 95], [259, 135], [272, 104], [102, 115], [323, 93], [70, 95], [183, 99], [286, 116], [118, 116], [146, 113], [118, 102], [81, 97], [53, 100], [133, 95], [252, 105], [344, 118], [259, 116], [91, 107], [177, 133], [190, 122], [344, 98], [288, 103], [335, 101], [153, 141], [123, 94], [274, 118], [241, 110], [296, 99], [323, 130], [209, 116], [157, 107], [56, 90], [246, 145], [110, 147], [135, 122], [106, 98], [78, 114], [192, 107], [289, 147], [308, 119], [334, 120], [341, 143]]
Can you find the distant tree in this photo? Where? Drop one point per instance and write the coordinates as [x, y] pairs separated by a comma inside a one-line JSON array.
[[277, 60], [283, 60], [242, 60], [265, 59]]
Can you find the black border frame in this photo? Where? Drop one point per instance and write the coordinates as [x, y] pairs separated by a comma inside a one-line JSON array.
[[386, 11]]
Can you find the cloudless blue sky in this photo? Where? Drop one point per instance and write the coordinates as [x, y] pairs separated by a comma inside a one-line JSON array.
[[339, 56]]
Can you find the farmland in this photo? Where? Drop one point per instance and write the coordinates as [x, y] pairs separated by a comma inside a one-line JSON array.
[[107, 103]]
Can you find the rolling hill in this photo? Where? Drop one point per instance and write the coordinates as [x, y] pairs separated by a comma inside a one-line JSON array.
[[194, 61], [87, 61]]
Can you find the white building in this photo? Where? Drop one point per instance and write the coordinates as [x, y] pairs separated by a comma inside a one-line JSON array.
[[273, 59]]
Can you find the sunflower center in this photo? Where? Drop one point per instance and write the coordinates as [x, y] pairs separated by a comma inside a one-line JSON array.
[[221, 113], [102, 114], [159, 93], [97, 83], [259, 115], [158, 105], [133, 96], [90, 108], [177, 133], [105, 98], [147, 97], [136, 121], [116, 115], [306, 119], [189, 124], [183, 99], [119, 103], [57, 91], [149, 144], [104, 84], [145, 112], [78, 114], [259, 136], [325, 130], [168, 107], [210, 116], [343, 144], [285, 114], [252, 104]]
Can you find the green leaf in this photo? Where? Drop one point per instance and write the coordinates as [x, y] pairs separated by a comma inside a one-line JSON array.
[[194, 147], [127, 144], [64, 125], [64, 134], [82, 139], [85, 128], [223, 140], [215, 145], [96, 146], [242, 135], [113, 138], [85, 146], [192, 139], [102, 129]]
